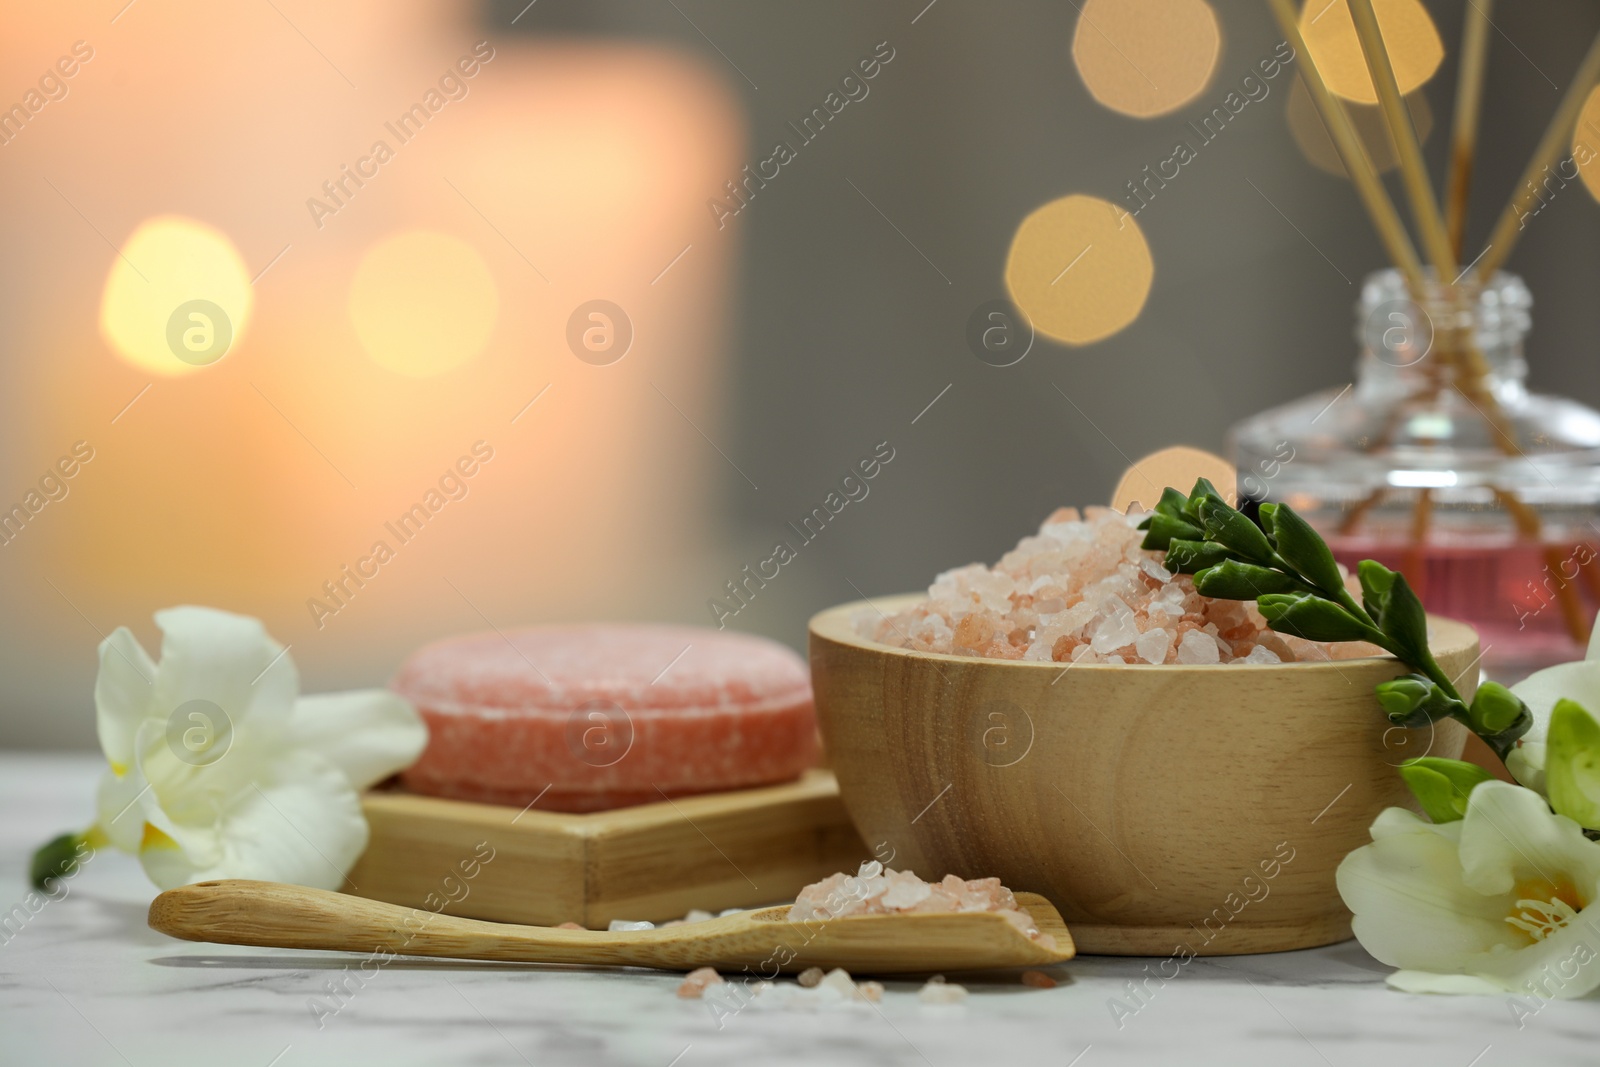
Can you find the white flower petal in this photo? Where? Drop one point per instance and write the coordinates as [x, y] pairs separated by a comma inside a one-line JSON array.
[[1509, 836], [122, 695], [1526, 764], [117, 811], [368, 734], [1428, 982], [301, 824], [227, 660], [1578, 681], [1562, 966], [1411, 908]]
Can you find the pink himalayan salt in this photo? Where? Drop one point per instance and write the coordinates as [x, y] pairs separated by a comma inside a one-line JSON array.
[[695, 982], [571, 926], [872, 991], [1083, 591], [1038, 980], [877, 890], [938, 991], [810, 977]]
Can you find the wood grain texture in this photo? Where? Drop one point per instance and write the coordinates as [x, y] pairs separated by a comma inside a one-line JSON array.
[[270, 914], [1158, 807], [655, 862]]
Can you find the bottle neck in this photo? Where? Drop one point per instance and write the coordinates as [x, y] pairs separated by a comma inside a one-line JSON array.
[[1447, 336]]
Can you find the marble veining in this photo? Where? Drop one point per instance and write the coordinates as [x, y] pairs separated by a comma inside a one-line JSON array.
[[84, 981]]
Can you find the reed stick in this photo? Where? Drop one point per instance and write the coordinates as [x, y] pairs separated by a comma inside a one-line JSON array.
[[1503, 238], [1464, 128], [1357, 162], [1408, 150]]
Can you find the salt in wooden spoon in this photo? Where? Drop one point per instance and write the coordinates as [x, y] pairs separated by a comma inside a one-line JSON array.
[[271, 914]]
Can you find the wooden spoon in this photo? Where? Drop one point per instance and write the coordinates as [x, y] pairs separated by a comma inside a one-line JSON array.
[[242, 912]]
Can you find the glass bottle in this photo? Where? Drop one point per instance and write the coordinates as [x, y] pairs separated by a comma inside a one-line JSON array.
[[1438, 462]]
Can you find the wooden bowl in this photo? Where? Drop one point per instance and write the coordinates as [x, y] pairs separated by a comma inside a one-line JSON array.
[[1165, 810]]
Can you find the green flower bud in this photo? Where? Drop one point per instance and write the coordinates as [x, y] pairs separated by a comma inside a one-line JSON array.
[[1443, 785], [1192, 557], [1233, 528], [56, 859], [1494, 709], [1416, 700], [1233, 580], [1164, 529], [1303, 549], [1307, 615]]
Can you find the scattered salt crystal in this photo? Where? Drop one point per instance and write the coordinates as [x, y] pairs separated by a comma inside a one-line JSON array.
[[1197, 647], [695, 982], [810, 976], [1038, 980], [571, 926], [697, 915], [938, 991], [838, 982], [872, 991], [1262, 654], [624, 924], [1152, 645]]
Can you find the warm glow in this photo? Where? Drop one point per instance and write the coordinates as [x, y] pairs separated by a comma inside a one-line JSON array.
[[1409, 36], [1146, 57], [423, 303], [1586, 143], [1178, 467], [1305, 124], [178, 297], [1079, 267]]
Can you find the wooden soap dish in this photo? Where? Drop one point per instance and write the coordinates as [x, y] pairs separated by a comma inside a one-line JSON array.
[[739, 849]]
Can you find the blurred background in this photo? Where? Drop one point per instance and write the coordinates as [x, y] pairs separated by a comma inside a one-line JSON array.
[[539, 350]]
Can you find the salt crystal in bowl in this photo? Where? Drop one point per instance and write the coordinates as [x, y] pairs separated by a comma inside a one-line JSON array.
[[1182, 806]]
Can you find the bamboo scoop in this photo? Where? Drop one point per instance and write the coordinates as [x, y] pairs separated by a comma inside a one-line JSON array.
[[239, 912]]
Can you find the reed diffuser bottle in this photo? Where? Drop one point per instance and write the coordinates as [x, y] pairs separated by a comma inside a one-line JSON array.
[[1439, 463]]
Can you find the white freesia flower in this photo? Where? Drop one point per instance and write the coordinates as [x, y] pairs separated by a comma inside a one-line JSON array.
[[1496, 902], [1578, 681], [218, 771]]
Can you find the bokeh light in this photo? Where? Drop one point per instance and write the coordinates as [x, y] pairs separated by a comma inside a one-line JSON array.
[[1306, 126], [165, 270], [1080, 268], [1178, 467], [1409, 36], [423, 302], [1146, 57], [1586, 143]]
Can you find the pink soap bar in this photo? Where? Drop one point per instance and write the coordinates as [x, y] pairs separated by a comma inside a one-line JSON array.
[[590, 717]]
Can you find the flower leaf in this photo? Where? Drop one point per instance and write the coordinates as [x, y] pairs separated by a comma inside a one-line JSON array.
[[1307, 615], [1192, 557], [1303, 548], [1233, 580], [1572, 764], [1443, 786]]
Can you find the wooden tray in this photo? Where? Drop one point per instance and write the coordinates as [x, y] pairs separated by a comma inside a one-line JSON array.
[[656, 861]]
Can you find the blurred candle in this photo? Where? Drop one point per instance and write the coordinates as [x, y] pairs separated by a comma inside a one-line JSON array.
[[558, 173]]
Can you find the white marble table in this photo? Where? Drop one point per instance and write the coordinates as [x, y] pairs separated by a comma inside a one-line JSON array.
[[84, 981]]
